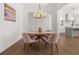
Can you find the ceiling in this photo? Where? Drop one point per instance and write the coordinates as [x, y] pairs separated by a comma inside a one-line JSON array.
[[48, 7]]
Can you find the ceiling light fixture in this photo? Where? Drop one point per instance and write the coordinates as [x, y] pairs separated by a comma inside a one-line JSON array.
[[39, 13]]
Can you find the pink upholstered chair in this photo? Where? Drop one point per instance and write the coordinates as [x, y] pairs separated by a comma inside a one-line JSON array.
[[49, 41], [56, 41], [27, 40], [52, 40]]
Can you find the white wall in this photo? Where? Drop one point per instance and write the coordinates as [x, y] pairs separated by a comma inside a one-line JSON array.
[[34, 23], [10, 31]]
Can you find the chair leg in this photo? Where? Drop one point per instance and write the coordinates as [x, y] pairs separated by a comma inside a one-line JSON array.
[[45, 45], [51, 49], [27, 49], [24, 46], [56, 47]]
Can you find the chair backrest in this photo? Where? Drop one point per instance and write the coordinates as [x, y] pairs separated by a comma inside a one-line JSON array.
[[26, 38], [53, 38], [32, 36], [57, 37], [50, 38]]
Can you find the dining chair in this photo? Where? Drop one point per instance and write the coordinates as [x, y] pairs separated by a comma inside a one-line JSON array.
[[32, 36], [52, 40], [56, 41], [27, 40]]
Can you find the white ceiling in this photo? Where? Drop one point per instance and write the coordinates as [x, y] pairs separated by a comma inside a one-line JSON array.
[[71, 5], [48, 7]]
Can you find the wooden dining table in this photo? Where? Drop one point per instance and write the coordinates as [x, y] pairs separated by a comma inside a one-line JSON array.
[[41, 35]]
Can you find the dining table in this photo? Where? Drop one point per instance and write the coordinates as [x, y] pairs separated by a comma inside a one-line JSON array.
[[41, 35]]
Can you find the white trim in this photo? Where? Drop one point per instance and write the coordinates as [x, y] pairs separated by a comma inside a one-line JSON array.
[[2, 50]]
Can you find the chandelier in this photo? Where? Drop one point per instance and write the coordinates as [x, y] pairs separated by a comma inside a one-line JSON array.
[[39, 13]]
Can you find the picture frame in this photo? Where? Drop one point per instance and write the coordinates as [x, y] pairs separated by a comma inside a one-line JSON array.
[[9, 13]]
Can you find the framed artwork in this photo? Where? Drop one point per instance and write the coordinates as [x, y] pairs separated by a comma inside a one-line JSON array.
[[9, 13]]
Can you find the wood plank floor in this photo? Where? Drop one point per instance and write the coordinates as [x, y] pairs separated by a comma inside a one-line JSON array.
[[66, 45]]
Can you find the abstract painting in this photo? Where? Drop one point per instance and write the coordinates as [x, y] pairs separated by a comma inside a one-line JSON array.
[[9, 13]]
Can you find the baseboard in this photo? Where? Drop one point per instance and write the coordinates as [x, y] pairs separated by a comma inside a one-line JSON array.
[[10, 45]]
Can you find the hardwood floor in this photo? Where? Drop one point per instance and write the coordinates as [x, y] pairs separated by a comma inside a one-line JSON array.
[[66, 45], [70, 46]]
